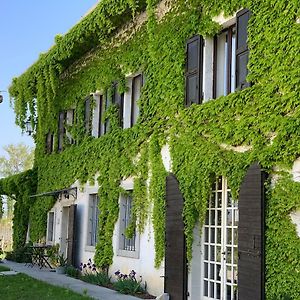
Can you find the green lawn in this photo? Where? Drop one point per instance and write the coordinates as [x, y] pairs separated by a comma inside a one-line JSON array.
[[23, 287], [4, 268]]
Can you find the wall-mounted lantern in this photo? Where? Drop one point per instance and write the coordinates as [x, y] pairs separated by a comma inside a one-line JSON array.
[[28, 127]]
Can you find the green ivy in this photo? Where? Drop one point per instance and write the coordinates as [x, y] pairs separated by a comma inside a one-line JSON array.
[[264, 119]]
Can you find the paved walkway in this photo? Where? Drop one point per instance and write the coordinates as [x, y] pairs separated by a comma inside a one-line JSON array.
[[73, 284]]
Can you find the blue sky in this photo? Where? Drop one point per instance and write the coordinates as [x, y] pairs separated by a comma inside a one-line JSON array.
[[28, 28]]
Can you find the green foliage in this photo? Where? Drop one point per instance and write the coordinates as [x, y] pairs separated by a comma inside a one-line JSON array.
[[73, 272], [282, 241], [98, 278], [203, 139], [22, 254]]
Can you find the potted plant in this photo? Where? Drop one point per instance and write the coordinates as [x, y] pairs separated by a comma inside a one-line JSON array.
[[61, 264]]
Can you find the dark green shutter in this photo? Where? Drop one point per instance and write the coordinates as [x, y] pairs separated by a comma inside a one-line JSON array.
[[194, 71], [251, 235], [242, 51], [175, 249]]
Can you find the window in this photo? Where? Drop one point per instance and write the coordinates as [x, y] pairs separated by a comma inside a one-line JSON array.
[[100, 122], [114, 97], [70, 122], [224, 60], [61, 130], [93, 220], [231, 57], [194, 71], [118, 100], [49, 143], [87, 116], [50, 231], [107, 122], [136, 87], [127, 244]]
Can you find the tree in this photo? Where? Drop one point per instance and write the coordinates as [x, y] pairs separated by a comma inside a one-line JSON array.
[[18, 158]]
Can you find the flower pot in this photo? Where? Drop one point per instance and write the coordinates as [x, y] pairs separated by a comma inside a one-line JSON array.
[[61, 270]]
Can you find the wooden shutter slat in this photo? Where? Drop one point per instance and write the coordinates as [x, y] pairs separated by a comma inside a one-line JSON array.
[[251, 235], [242, 51], [194, 70]]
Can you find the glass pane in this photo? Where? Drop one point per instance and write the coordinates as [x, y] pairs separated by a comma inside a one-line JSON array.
[[235, 275], [206, 270], [236, 217], [213, 200], [228, 292], [218, 235], [220, 68], [212, 253], [218, 254], [212, 290], [212, 235], [218, 277], [229, 236], [206, 234], [233, 58], [206, 252], [228, 255], [218, 291], [205, 288], [235, 236], [212, 217], [229, 217], [219, 217], [228, 274], [212, 271], [219, 200], [235, 255]]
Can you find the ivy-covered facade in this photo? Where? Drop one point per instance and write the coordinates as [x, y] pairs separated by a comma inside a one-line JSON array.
[[145, 103]]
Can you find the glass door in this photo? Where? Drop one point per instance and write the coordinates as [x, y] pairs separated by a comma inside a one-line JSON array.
[[220, 245]]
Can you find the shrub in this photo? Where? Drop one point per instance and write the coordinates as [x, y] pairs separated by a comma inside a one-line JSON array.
[[72, 272], [98, 278], [127, 284], [21, 255]]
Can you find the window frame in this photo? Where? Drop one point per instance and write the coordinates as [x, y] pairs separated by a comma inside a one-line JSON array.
[[134, 101], [121, 249], [52, 241], [229, 31], [93, 220]]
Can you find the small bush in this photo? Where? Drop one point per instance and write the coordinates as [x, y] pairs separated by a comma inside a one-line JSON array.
[[127, 284], [21, 255], [98, 278], [72, 272]]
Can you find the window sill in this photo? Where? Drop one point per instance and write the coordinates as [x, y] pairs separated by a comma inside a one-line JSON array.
[[90, 248], [130, 254]]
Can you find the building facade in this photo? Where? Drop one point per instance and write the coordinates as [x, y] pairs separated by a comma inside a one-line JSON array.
[[167, 143]]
